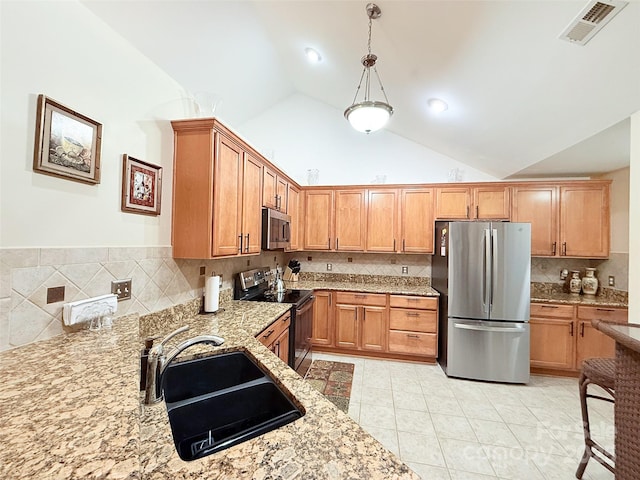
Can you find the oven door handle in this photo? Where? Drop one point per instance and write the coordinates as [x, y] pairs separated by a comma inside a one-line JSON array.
[[306, 305]]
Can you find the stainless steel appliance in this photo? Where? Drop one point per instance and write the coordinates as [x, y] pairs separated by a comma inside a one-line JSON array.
[[276, 229], [482, 271], [254, 285]]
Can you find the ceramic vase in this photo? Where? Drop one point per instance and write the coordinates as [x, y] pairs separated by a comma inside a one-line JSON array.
[[589, 282], [575, 284]]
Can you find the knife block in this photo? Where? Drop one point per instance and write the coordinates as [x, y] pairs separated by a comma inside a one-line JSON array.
[[289, 276]]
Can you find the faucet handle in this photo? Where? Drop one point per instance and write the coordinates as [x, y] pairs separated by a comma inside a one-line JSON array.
[[173, 334]]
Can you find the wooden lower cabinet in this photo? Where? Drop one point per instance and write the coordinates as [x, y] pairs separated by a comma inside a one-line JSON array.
[[562, 336], [391, 326], [276, 337]]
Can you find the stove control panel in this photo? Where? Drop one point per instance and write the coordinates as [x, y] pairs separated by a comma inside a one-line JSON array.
[[252, 278]]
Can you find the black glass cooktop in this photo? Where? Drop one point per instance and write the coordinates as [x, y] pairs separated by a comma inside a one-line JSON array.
[[289, 296]]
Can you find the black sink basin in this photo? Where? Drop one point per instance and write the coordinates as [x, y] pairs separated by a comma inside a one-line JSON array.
[[220, 401], [197, 377]]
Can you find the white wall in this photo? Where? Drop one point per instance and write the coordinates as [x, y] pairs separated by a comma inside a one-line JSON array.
[[296, 141], [60, 49], [619, 207], [634, 225]]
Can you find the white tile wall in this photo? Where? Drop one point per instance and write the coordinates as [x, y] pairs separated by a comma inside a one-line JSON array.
[[158, 281]]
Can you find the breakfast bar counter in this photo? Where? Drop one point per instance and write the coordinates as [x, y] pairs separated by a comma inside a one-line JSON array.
[[71, 408], [627, 401]]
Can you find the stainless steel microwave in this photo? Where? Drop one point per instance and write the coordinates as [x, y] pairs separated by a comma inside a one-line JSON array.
[[276, 229]]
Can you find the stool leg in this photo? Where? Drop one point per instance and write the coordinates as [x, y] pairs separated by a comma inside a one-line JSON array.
[[583, 384]]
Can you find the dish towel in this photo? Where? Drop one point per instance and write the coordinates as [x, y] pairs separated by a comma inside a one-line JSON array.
[[89, 308]]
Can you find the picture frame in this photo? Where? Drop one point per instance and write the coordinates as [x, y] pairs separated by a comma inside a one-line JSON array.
[[141, 186], [67, 143]]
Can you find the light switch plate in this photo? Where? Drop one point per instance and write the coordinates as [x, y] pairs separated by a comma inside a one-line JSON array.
[[121, 288], [612, 281]]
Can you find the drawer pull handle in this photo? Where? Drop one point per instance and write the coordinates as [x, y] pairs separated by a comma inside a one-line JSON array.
[[268, 334], [549, 306], [412, 336], [605, 309], [413, 314]]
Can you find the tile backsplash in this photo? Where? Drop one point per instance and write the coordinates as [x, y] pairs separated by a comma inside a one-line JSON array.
[[158, 282], [364, 263]]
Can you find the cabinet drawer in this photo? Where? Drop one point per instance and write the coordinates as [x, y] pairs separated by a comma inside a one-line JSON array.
[[406, 301], [413, 320], [413, 343], [353, 298], [603, 313], [551, 310], [273, 331]]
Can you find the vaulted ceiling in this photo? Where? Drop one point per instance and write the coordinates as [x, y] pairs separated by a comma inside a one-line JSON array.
[[522, 102]]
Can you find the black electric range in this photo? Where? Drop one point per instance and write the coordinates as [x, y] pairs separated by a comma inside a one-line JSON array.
[[253, 285]]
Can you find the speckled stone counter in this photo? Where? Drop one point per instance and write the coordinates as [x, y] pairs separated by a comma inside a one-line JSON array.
[[571, 299], [71, 409], [423, 290]]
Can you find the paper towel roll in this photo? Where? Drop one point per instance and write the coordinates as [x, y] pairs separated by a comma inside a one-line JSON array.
[[211, 294]]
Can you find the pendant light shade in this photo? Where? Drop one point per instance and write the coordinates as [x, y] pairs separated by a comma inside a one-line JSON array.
[[369, 115]]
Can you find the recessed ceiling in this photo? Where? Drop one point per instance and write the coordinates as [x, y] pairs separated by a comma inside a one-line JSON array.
[[517, 94]]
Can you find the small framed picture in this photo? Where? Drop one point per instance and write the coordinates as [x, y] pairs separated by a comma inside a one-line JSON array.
[[67, 143], [141, 186]]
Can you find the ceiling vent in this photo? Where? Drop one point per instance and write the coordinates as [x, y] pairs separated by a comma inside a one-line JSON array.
[[591, 20]]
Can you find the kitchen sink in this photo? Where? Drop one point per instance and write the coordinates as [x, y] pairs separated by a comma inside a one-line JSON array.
[[220, 401]]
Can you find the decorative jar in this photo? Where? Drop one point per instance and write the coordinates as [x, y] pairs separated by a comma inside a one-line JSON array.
[[589, 282], [575, 284]]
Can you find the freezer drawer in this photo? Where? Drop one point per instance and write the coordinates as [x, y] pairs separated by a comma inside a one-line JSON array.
[[488, 350]]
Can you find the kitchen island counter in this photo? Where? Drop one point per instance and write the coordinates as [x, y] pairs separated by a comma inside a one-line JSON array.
[[71, 409]]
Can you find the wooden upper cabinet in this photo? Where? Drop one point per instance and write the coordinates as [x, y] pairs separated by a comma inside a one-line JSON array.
[[538, 205], [251, 205], [382, 220], [350, 220], [217, 192], [416, 220], [491, 203], [584, 221], [227, 200], [453, 203], [318, 219], [293, 209], [274, 193]]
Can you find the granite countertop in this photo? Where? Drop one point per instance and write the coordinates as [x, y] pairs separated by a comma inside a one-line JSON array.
[[394, 289], [71, 409], [572, 299]]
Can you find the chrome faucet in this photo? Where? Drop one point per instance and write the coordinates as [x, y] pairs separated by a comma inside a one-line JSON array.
[[158, 361]]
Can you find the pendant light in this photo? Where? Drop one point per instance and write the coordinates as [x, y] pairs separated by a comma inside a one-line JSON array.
[[369, 115]]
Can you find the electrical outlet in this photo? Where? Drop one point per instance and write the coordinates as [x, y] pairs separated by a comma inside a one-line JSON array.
[[612, 281], [55, 294], [564, 273], [203, 270], [329, 267], [405, 270], [122, 288]]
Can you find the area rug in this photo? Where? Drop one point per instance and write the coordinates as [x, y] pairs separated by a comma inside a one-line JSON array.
[[333, 380]]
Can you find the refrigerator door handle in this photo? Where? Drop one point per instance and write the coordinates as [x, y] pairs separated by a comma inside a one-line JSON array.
[[486, 284], [480, 328], [494, 263]]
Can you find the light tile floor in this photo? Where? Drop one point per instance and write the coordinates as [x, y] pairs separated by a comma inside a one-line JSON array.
[[453, 429]]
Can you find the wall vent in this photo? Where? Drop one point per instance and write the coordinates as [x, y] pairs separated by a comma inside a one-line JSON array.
[[591, 20]]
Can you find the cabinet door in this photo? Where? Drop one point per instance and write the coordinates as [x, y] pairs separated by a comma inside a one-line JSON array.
[[593, 343], [552, 343], [282, 187], [322, 331], [374, 328], [346, 326], [382, 220], [453, 203], [281, 346], [318, 218], [416, 220], [269, 187], [350, 220], [539, 207], [492, 203], [584, 221], [227, 221], [293, 209], [251, 205]]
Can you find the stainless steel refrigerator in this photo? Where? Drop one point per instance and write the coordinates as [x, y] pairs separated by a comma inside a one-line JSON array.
[[483, 273]]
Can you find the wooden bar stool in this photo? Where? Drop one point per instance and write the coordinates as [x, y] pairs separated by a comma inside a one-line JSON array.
[[601, 372]]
